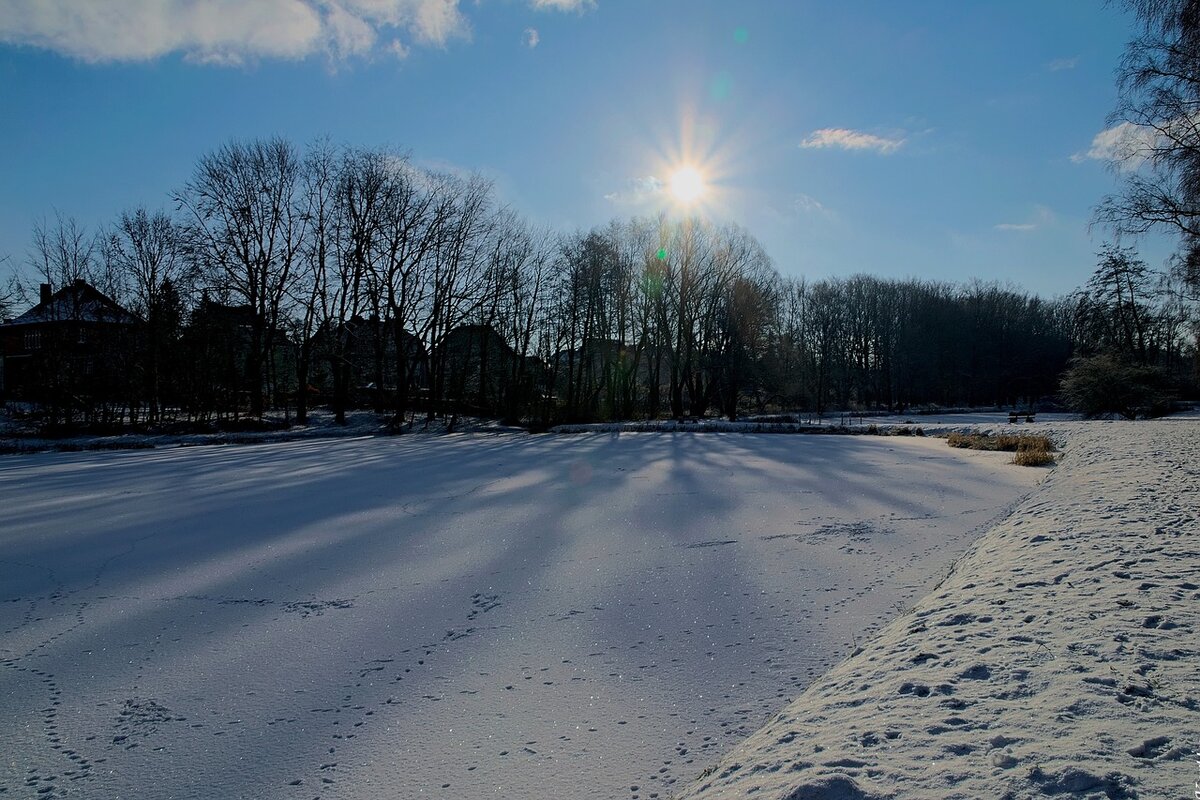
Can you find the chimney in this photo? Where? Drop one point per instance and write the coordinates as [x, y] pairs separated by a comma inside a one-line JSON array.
[[45, 293]]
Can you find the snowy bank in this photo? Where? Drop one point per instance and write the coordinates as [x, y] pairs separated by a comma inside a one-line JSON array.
[[1059, 658]]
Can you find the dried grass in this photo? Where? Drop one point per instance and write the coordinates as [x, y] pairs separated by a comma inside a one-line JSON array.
[[1033, 458], [1030, 451], [1005, 442]]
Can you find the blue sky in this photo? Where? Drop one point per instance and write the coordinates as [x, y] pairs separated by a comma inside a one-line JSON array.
[[946, 140]]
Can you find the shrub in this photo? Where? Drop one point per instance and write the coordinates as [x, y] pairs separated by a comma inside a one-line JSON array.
[[907, 431], [1105, 384]]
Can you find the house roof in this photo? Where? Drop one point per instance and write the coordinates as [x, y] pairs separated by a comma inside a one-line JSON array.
[[212, 312], [473, 335], [78, 302]]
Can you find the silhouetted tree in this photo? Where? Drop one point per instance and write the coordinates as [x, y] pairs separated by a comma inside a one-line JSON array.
[[144, 255], [1110, 383], [246, 228]]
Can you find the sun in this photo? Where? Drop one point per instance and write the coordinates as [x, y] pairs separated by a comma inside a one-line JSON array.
[[687, 185]]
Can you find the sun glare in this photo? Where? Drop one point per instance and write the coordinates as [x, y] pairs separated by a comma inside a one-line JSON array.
[[687, 185]]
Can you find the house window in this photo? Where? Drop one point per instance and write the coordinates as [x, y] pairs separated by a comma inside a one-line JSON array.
[[33, 340]]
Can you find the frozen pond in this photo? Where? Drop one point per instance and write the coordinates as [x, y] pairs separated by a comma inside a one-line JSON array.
[[460, 616]]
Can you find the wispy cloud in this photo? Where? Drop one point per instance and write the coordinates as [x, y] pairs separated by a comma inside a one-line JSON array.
[[563, 5], [639, 191], [229, 31], [398, 49], [847, 139], [530, 38], [1126, 145], [1043, 217], [807, 204], [1060, 64]]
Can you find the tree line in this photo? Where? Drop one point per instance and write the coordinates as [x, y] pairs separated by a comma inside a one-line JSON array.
[[284, 278]]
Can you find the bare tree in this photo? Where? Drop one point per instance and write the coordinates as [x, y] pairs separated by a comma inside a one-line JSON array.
[[1157, 124], [416, 220], [63, 255], [747, 310], [319, 201], [246, 226], [63, 251], [361, 185], [525, 276], [143, 254], [9, 290], [456, 270]]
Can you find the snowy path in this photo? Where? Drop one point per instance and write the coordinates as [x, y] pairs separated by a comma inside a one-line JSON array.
[[464, 616], [1060, 659]]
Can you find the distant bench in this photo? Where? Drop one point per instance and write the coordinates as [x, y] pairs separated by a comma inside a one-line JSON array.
[[1014, 416]]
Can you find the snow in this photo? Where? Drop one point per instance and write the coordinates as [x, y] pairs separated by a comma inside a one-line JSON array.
[[929, 424], [1058, 659], [592, 616], [18, 434], [19, 437]]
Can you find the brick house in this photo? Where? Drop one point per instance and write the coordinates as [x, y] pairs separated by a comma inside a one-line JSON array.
[[72, 343]]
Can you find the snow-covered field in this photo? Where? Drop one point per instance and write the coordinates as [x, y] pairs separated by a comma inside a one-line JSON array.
[[1062, 657], [460, 616]]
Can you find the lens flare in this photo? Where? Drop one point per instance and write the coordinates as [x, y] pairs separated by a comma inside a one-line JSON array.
[[687, 185]]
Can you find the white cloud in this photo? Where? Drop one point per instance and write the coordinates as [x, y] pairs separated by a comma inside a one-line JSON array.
[[808, 204], [1060, 64], [531, 38], [435, 21], [847, 139], [227, 31], [398, 49], [1127, 145], [640, 191], [347, 32], [563, 5], [1043, 217]]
